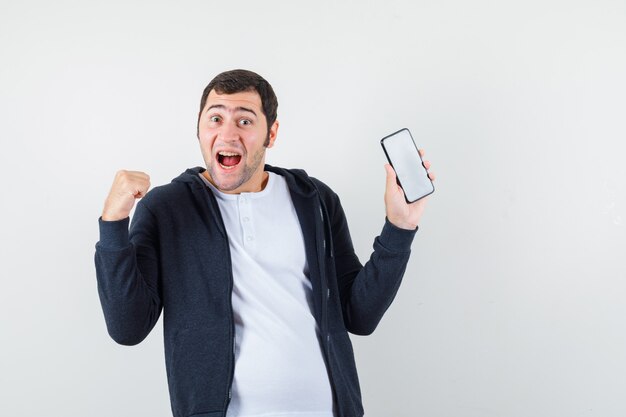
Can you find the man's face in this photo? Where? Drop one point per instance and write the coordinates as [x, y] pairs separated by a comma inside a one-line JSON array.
[[232, 132]]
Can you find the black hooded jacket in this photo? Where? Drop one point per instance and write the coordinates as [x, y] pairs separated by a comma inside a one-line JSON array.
[[176, 259]]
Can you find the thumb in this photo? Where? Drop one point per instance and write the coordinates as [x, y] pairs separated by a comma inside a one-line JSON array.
[[391, 177]]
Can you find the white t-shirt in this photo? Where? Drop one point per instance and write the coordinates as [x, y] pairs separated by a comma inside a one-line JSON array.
[[279, 367]]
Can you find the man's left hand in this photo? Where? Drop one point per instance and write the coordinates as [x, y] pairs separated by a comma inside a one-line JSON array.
[[400, 213]]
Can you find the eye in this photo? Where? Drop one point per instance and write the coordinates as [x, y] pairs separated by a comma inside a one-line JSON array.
[[214, 119], [245, 122]]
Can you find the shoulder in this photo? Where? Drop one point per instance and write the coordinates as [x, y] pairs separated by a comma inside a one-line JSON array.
[[324, 189], [327, 195], [301, 182], [163, 195]]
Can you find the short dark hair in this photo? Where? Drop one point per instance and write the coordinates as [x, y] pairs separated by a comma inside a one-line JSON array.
[[239, 80]]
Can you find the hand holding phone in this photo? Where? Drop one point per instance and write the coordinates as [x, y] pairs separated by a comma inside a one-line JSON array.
[[406, 161], [404, 209]]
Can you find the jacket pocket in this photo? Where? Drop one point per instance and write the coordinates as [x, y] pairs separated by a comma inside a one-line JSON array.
[[198, 371]]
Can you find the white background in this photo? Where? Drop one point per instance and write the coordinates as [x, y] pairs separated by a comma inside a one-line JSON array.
[[514, 302]]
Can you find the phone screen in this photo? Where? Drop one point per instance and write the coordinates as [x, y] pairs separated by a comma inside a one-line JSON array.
[[403, 156]]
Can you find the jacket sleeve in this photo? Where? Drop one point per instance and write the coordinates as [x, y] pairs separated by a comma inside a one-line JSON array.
[[128, 276], [367, 291]]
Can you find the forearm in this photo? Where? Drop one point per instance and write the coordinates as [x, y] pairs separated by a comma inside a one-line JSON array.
[[126, 278], [370, 291]]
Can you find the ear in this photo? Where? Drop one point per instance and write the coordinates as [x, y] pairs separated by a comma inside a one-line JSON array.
[[273, 133]]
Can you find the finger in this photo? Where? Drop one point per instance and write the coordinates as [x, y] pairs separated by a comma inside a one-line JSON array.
[[421, 152], [142, 189], [391, 176], [431, 175], [141, 175], [426, 164], [138, 191], [137, 184], [133, 174]]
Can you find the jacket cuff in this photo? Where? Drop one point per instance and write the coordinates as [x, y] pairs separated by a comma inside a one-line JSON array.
[[395, 238], [114, 233]]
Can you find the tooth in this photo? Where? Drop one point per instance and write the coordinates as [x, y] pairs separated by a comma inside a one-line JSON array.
[[228, 154]]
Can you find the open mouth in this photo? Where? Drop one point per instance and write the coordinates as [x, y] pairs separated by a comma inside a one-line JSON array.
[[228, 160]]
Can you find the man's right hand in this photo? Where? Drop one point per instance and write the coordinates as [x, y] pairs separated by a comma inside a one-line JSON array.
[[127, 187]]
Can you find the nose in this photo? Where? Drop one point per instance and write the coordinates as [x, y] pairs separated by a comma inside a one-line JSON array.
[[228, 133]]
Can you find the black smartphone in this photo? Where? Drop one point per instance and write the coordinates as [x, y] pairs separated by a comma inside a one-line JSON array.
[[405, 159]]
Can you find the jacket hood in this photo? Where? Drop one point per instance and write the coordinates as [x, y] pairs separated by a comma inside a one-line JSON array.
[[297, 179]]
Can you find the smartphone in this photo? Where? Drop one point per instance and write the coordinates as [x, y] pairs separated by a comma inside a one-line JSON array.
[[411, 174]]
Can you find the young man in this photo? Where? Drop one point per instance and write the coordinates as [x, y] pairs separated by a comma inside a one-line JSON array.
[[253, 268]]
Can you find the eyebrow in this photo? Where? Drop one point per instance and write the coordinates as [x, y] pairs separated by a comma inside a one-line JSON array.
[[222, 107]]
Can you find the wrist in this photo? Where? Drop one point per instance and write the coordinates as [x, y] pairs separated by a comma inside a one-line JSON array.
[[404, 225], [114, 234], [395, 238], [112, 217]]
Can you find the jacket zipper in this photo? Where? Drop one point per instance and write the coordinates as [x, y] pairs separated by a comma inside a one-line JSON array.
[[325, 298], [232, 330], [230, 302]]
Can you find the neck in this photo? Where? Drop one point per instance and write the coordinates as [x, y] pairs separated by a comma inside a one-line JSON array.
[[255, 184]]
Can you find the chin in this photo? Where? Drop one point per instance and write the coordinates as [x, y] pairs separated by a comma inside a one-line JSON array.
[[225, 182]]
